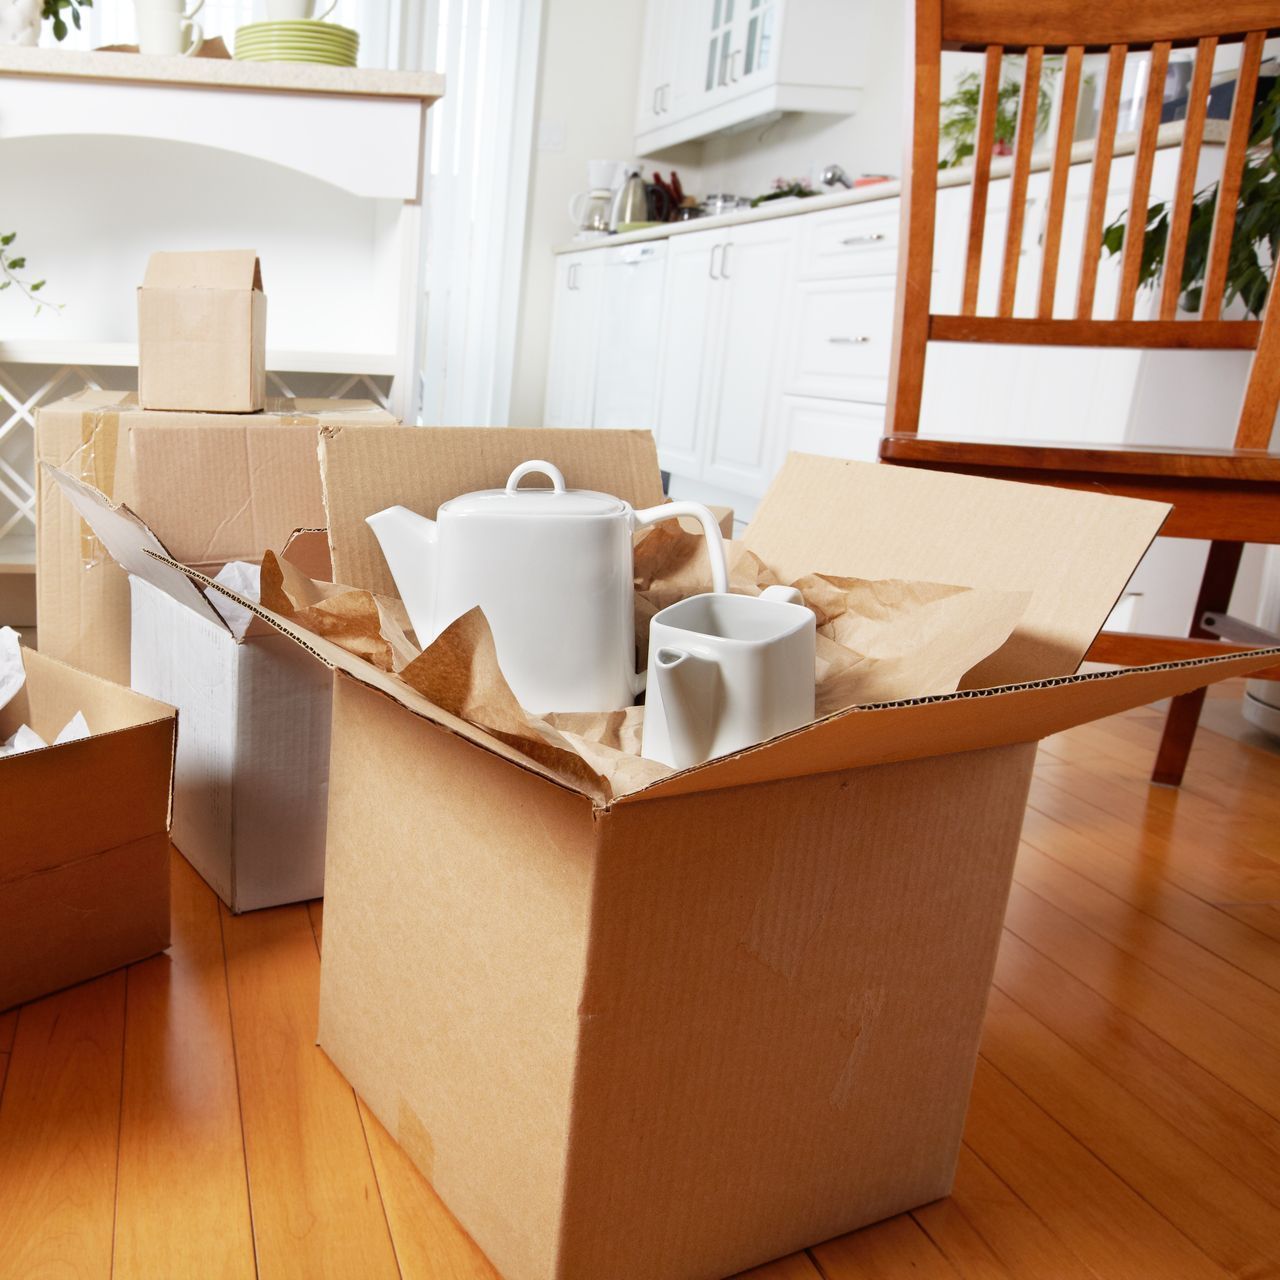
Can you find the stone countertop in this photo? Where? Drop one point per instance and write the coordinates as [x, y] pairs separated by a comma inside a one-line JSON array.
[[220, 73], [1170, 135]]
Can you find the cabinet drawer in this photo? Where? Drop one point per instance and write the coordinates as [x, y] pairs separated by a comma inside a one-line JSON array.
[[859, 241], [832, 427], [842, 341]]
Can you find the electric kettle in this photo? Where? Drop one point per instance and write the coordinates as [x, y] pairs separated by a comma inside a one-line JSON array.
[[552, 571], [630, 202]]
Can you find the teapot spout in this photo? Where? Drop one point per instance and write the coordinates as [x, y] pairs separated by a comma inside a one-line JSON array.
[[687, 685], [408, 543]]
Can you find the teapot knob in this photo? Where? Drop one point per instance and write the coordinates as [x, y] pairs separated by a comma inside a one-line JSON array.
[[536, 467]]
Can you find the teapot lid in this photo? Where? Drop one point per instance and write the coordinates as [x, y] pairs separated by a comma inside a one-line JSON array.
[[557, 500]]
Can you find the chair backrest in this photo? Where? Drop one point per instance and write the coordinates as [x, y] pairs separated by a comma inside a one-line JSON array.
[[1070, 28]]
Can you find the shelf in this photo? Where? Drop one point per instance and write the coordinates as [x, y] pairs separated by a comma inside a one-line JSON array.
[[59, 351]]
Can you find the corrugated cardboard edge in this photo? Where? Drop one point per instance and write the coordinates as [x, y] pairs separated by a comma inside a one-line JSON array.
[[879, 733]]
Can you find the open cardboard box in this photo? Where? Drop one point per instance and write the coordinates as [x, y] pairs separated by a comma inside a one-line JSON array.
[[253, 757], [84, 854], [215, 487], [735, 1011]]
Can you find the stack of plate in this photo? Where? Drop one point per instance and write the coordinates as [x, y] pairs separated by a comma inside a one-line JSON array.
[[297, 41]]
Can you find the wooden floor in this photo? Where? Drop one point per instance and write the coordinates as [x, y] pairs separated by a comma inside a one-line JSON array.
[[176, 1119]]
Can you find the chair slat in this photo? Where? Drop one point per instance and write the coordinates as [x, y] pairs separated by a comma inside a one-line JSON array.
[[1135, 231], [984, 144], [1262, 391], [1024, 138], [1068, 100], [1224, 216], [1104, 149], [1185, 190]]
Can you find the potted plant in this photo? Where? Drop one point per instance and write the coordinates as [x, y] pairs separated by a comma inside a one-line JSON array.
[[13, 273], [20, 19]]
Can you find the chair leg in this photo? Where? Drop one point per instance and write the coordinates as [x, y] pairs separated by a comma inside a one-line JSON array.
[[1184, 711]]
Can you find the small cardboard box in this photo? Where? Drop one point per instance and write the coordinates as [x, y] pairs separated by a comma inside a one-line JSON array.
[[736, 1011], [202, 333], [253, 757], [214, 488], [84, 856]]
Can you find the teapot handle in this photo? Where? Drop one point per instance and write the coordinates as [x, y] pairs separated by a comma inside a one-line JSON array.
[[710, 531], [536, 466]]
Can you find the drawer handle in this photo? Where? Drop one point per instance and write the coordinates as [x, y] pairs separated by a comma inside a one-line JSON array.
[[850, 342], [871, 238]]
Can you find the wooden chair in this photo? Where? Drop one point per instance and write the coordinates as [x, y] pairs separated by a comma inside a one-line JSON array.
[[1230, 497]]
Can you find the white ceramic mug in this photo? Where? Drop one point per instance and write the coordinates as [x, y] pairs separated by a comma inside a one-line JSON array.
[[163, 29], [299, 10], [726, 672], [180, 7]]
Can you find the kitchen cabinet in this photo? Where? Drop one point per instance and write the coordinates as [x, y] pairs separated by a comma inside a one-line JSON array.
[[711, 66], [721, 328], [629, 331], [571, 372]]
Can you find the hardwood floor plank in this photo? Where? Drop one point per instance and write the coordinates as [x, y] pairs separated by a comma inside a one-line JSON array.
[[59, 1125], [796, 1267], [4, 1071], [985, 1231], [182, 1203], [886, 1251], [1246, 1001], [315, 1202], [1233, 1130], [8, 1025], [1144, 888], [1233, 1054], [429, 1243], [1219, 1212], [315, 913], [1102, 1220]]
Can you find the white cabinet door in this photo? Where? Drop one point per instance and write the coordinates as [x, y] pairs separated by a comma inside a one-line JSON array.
[[630, 330], [575, 330], [653, 61], [833, 427], [686, 377], [754, 273]]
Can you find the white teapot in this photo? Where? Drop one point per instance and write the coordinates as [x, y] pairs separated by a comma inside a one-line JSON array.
[[552, 571]]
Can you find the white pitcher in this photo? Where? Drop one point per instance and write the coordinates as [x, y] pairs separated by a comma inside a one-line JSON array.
[[552, 571]]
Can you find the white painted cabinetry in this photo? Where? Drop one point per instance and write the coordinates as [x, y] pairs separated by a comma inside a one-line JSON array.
[[571, 370], [714, 65]]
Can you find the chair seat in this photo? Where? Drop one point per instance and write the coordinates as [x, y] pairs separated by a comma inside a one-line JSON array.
[[1233, 466]]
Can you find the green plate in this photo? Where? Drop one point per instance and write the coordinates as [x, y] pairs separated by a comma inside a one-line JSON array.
[[297, 48], [295, 57], [297, 26], [301, 41]]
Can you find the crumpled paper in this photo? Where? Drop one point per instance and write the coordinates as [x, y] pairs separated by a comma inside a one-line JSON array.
[[877, 641], [13, 675]]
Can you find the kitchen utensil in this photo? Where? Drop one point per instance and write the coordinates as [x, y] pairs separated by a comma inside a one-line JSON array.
[[659, 201], [162, 29], [589, 210], [630, 208], [296, 10], [676, 189], [718, 204], [297, 41], [726, 672], [552, 571]]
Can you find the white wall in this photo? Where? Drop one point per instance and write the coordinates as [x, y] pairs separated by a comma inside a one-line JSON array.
[[589, 68]]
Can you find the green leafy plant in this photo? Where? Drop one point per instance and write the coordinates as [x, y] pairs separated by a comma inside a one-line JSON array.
[[1255, 242], [56, 8], [959, 125], [12, 273], [784, 189]]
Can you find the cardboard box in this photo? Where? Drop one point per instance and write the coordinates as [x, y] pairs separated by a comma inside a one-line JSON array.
[[253, 757], [214, 488], [202, 333], [736, 1011], [84, 858]]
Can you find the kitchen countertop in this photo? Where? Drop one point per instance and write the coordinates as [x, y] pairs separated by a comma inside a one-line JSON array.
[[219, 73], [1170, 135]]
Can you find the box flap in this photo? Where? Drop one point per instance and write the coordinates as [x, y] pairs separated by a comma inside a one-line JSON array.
[[1073, 551], [371, 469], [215, 269], [955, 722], [128, 540]]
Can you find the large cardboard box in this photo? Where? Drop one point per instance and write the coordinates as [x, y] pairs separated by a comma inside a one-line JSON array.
[[84, 849], [252, 766], [214, 487], [698, 1025], [202, 333]]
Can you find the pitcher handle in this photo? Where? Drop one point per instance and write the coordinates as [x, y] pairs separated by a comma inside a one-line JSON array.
[[710, 532]]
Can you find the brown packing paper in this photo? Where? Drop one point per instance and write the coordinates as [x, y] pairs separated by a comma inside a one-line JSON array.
[[878, 641]]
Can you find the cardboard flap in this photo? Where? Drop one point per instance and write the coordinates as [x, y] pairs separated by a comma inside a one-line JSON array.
[[216, 269], [957, 722], [128, 541], [371, 469], [1073, 551]]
